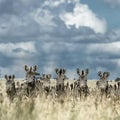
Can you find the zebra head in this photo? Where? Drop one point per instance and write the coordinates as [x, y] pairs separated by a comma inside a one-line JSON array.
[[102, 83], [60, 75], [10, 83], [46, 79], [30, 73], [82, 81]]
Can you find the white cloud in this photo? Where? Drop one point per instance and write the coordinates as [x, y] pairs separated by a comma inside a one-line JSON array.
[[44, 18], [56, 3], [82, 16], [52, 3], [110, 48], [18, 50]]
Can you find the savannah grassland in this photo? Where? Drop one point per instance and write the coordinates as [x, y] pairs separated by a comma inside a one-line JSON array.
[[67, 108]]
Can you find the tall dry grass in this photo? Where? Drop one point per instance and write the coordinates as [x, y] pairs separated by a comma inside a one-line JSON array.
[[67, 108]]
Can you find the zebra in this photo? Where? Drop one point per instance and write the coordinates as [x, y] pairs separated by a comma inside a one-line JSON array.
[[46, 82], [31, 73], [81, 82], [60, 78], [10, 86], [102, 83]]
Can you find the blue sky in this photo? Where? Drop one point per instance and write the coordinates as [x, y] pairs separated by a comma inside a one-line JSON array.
[[60, 33]]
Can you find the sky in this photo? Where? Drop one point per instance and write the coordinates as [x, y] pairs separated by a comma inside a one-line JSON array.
[[66, 34]]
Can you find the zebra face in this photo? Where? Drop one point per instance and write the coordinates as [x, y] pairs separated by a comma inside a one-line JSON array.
[[10, 83], [30, 73], [103, 83], [82, 81], [46, 79], [60, 75]]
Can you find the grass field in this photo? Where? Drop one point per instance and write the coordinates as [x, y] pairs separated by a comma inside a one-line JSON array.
[[67, 108]]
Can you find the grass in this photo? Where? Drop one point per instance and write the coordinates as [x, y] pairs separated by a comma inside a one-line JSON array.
[[67, 108]]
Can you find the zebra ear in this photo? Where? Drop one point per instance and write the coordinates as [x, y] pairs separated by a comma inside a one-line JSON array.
[[106, 74], [13, 77], [78, 71], [87, 71], [49, 76], [35, 68], [6, 77], [26, 68], [43, 75], [64, 71], [57, 70], [100, 74]]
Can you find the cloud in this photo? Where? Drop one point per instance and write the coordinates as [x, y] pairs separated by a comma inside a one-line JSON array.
[[31, 18], [102, 55], [108, 48], [44, 18], [83, 16], [70, 55], [15, 55], [56, 3], [17, 26], [18, 50]]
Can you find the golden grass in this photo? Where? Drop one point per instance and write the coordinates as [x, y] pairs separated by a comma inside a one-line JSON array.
[[68, 108]]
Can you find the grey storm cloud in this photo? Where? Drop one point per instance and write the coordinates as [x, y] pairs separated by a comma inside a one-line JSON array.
[[32, 32]]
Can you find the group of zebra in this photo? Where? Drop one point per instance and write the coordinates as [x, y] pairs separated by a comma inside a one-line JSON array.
[[35, 84]]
